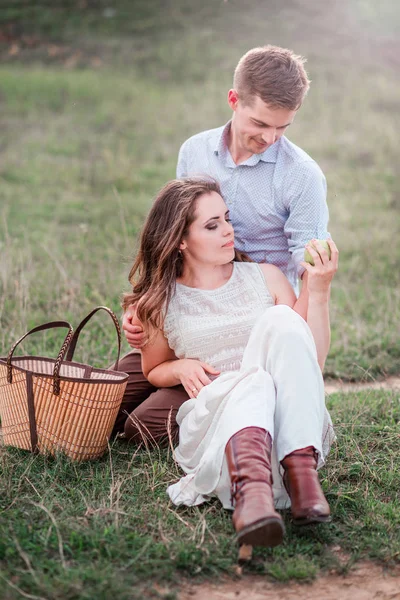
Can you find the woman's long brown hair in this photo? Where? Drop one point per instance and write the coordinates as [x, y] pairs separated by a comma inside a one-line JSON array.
[[159, 261]]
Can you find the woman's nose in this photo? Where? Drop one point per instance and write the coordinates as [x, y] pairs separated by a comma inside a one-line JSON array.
[[228, 228]]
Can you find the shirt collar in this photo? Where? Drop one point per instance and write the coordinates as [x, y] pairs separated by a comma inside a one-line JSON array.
[[270, 155]]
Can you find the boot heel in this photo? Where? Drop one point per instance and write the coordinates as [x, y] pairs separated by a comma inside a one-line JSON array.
[[311, 520], [268, 533]]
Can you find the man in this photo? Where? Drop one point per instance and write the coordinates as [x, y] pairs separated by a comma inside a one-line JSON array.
[[275, 192]]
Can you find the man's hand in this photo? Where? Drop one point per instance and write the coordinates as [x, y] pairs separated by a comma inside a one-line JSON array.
[[133, 329]]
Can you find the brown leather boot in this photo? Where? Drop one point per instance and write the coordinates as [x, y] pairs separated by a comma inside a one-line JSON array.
[[248, 455], [309, 504]]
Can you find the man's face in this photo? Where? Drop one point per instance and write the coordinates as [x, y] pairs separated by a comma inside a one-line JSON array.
[[257, 126]]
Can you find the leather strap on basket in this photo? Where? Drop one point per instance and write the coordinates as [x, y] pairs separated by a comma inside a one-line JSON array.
[[60, 357], [31, 412], [82, 324]]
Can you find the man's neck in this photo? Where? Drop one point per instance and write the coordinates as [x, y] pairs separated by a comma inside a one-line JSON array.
[[238, 153]]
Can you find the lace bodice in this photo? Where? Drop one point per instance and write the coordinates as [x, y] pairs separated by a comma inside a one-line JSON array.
[[214, 325]]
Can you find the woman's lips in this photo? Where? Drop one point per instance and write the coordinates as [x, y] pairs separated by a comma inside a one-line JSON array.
[[229, 244]]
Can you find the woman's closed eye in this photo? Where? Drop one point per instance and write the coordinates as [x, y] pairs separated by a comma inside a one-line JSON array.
[[216, 225]]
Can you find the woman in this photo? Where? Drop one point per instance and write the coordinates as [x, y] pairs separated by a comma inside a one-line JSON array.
[[231, 333]]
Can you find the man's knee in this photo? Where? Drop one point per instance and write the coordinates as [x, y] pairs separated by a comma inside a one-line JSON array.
[[136, 431], [139, 428], [137, 390], [155, 419], [131, 363]]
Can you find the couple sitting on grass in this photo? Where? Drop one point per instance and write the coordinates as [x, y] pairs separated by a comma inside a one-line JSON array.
[[231, 360]]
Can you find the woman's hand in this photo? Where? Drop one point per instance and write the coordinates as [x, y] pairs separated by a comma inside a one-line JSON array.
[[192, 374], [133, 330], [321, 274]]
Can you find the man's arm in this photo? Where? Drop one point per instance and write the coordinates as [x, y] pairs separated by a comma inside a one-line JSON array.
[[308, 215]]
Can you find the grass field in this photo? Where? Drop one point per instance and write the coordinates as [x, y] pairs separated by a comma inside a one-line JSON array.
[[85, 149], [105, 529], [95, 101]]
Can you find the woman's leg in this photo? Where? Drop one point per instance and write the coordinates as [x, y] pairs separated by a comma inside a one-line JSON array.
[[248, 457], [283, 345], [285, 342], [301, 481]]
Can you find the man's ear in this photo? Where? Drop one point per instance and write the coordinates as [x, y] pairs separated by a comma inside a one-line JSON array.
[[233, 99]]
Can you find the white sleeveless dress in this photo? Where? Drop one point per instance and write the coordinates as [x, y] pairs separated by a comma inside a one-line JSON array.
[[234, 329]]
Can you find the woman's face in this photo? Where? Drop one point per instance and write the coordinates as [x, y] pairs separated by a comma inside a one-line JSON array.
[[211, 237]]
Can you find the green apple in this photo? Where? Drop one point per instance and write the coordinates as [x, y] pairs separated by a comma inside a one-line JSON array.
[[307, 256]]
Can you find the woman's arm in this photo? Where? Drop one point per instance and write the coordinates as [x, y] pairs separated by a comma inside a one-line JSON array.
[[319, 323], [301, 304], [282, 292], [313, 302], [157, 361], [318, 286], [162, 368]]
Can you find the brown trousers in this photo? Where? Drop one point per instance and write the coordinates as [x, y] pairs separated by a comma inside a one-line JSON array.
[[147, 413]]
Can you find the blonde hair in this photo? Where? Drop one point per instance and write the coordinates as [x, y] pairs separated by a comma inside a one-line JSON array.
[[276, 75]]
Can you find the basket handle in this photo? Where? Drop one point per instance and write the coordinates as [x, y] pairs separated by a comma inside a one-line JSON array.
[[82, 324], [57, 364]]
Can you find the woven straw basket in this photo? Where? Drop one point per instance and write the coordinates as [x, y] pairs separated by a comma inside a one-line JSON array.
[[51, 406]]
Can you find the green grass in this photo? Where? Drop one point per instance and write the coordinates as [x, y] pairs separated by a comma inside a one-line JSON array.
[[93, 109], [85, 149], [107, 528]]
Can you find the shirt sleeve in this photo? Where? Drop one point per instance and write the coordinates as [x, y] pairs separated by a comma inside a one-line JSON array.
[[181, 167], [308, 215]]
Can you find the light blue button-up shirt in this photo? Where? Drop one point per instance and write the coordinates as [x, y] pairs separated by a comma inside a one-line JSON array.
[[276, 200]]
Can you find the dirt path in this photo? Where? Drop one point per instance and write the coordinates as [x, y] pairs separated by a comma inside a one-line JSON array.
[[366, 581], [390, 383]]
